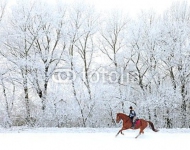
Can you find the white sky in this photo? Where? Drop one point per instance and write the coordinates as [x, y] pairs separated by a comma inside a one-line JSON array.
[[131, 6]]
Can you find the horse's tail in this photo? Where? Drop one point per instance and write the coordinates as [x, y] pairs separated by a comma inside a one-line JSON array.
[[152, 126]]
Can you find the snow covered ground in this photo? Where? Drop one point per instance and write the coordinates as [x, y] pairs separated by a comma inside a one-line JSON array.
[[92, 139]]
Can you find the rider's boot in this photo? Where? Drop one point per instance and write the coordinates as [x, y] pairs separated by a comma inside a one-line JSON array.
[[133, 125]]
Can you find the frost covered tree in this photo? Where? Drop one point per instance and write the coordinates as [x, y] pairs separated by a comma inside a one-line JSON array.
[[83, 24], [2, 9], [34, 47], [175, 52], [142, 41], [112, 44], [17, 46], [49, 46]]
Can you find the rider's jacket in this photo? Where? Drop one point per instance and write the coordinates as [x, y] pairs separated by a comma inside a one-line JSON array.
[[132, 114]]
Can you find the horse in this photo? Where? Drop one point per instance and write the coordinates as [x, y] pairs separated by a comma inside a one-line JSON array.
[[127, 124]]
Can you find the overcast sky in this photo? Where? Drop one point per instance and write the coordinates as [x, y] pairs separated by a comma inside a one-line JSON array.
[[131, 6]]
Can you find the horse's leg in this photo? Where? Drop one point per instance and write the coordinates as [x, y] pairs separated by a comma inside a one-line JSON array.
[[120, 131], [138, 134], [142, 130]]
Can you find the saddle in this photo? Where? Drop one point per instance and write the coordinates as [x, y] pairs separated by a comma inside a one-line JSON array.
[[136, 122]]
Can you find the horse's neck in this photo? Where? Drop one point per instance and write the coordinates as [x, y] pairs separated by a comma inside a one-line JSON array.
[[125, 117]]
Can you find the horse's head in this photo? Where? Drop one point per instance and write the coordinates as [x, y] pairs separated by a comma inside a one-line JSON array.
[[121, 116], [118, 118]]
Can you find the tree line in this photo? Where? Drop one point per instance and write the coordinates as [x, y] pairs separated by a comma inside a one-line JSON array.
[[72, 66]]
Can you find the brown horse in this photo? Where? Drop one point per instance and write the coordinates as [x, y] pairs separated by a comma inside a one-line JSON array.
[[127, 124]]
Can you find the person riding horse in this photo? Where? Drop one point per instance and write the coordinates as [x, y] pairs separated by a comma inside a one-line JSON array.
[[127, 123], [132, 116]]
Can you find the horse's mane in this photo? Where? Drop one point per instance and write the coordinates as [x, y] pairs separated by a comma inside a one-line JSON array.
[[122, 114]]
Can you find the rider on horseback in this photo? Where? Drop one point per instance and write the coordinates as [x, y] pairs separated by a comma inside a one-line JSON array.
[[132, 116]]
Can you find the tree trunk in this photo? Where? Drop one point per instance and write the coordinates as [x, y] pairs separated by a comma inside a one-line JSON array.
[[26, 97]]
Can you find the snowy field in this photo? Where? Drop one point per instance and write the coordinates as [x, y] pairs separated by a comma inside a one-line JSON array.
[[92, 139]]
